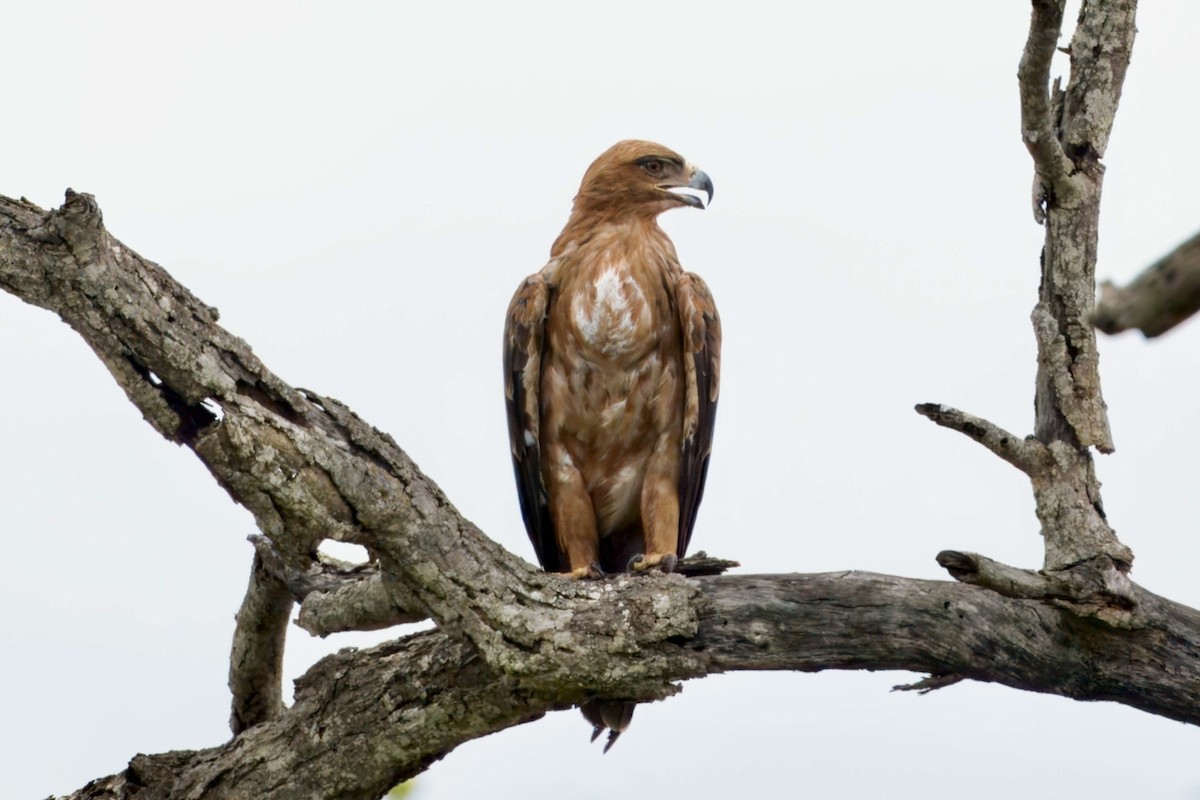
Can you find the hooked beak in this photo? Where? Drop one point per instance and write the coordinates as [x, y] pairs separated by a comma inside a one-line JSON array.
[[688, 194]]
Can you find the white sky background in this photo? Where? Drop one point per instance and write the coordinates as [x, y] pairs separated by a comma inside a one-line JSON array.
[[360, 187]]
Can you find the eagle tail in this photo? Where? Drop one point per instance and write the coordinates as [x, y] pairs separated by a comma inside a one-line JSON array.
[[611, 715]]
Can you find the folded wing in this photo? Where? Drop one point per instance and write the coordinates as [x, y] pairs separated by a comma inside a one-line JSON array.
[[524, 330], [701, 328]]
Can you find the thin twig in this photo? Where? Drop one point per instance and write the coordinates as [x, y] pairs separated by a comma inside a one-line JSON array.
[[1026, 454], [928, 684], [1053, 167], [701, 563]]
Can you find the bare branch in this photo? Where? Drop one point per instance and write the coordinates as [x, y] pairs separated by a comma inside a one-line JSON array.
[[336, 596], [701, 563], [929, 684], [834, 620], [1100, 51], [1068, 504], [1071, 415], [1164, 295], [362, 605], [308, 468], [1069, 403], [1070, 406], [977, 570], [1074, 524], [256, 658], [1075, 588], [1028, 454], [1038, 128], [415, 699]]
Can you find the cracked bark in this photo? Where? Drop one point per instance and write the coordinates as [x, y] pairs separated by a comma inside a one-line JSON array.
[[1066, 133], [1071, 414], [256, 657], [397, 707]]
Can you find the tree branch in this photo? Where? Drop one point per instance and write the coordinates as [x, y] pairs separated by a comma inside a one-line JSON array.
[[308, 468], [1071, 415], [1085, 565], [1165, 294], [1093, 589], [1053, 170], [337, 596], [1028, 454], [1100, 52], [256, 657], [364, 720]]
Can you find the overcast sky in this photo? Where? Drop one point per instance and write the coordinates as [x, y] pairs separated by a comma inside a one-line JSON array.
[[359, 187]]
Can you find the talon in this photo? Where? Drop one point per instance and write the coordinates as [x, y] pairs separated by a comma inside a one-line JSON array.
[[591, 572], [634, 564], [644, 563]]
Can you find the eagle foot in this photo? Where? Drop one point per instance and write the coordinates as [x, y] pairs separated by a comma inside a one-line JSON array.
[[591, 572], [663, 562]]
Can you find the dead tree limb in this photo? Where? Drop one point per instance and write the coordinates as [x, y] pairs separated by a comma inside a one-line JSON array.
[[364, 720], [1066, 133], [256, 657], [1165, 294]]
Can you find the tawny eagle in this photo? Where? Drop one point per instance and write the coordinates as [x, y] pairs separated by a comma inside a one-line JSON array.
[[611, 369]]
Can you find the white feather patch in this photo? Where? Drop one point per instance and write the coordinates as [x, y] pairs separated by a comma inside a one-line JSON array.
[[607, 322]]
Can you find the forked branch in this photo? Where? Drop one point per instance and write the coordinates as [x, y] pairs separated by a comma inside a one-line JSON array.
[[1066, 133], [1039, 124]]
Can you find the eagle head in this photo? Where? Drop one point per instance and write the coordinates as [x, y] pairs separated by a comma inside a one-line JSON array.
[[638, 178]]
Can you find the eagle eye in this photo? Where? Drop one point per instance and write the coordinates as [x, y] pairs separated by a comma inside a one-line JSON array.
[[653, 166]]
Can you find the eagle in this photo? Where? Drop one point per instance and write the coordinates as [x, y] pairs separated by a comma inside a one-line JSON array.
[[611, 374]]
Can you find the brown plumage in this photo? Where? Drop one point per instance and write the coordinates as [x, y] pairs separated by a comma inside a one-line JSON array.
[[611, 359]]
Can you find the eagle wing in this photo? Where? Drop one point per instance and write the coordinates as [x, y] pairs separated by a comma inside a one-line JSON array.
[[701, 328], [524, 336]]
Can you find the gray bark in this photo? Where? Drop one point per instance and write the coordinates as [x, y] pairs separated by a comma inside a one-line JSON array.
[[364, 720], [512, 642], [1066, 133], [1164, 295], [256, 658]]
